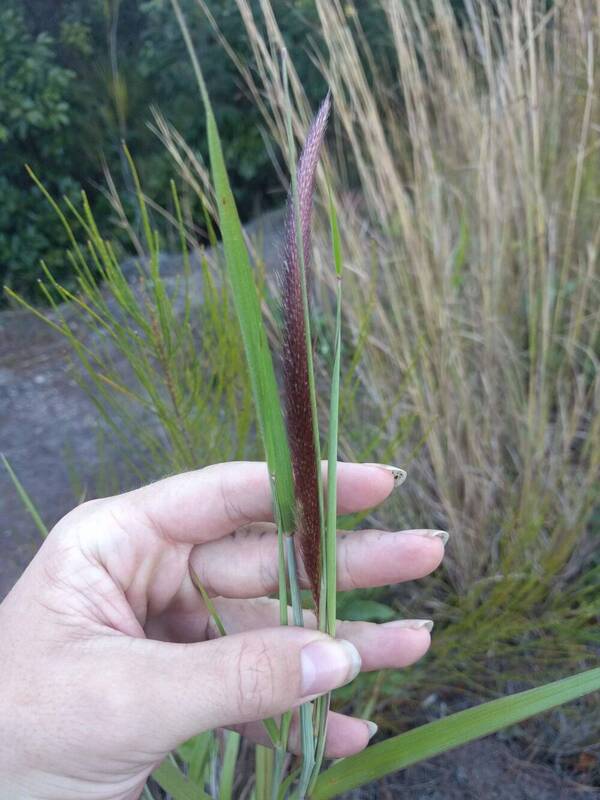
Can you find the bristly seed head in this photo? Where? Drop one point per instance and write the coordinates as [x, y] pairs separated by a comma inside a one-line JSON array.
[[295, 355]]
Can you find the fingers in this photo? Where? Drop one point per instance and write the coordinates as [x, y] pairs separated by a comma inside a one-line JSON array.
[[345, 735], [392, 645], [212, 502], [245, 563], [228, 681]]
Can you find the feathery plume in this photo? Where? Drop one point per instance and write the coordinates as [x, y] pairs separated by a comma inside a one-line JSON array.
[[298, 407]]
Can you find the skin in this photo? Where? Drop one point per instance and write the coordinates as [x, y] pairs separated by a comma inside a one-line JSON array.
[[109, 659]]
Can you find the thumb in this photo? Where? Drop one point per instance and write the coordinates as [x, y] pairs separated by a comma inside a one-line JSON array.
[[183, 689]]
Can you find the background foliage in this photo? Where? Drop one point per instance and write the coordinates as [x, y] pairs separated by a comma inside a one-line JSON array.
[[78, 77], [465, 168]]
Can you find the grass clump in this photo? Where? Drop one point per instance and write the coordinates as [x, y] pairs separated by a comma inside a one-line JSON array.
[[158, 355], [466, 178], [465, 199]]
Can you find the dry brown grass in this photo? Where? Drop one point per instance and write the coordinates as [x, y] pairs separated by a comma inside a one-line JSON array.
[[478, 165], [474, 218]]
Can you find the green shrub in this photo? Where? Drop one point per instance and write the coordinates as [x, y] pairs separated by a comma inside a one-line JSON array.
[[74, 83], [35, 115], [80, 78]]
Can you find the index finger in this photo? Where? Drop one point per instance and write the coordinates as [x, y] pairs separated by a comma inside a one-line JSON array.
[[206, 504]]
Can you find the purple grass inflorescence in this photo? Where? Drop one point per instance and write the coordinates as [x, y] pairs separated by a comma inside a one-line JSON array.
[[295, 355]]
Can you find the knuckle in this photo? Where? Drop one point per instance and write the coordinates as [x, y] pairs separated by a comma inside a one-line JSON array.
[[257, 680], [76, 520]]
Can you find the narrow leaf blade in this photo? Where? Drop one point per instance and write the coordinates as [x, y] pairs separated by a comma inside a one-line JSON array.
[[173, 781], [442, 735], [25, 499]]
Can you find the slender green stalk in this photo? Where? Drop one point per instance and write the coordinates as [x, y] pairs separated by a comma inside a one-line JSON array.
[[263, 773], [210, 606], [306, 709], [25, 499], [170, 778], [329, 568], [330, 550], [230, 755]]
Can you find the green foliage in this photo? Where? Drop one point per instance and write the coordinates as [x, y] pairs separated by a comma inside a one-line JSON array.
[[25, 498], [160, 358], [437, 737], [79, 78], [76, 82], [32, 87], [379, 760], [35, 114]]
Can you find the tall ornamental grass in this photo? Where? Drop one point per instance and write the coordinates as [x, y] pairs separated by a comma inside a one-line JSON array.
[[296, 455], [466, 172], [462, 193]]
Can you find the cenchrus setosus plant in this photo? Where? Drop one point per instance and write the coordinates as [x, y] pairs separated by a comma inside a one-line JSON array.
[[298, 500], [162, 340], [469, 142]]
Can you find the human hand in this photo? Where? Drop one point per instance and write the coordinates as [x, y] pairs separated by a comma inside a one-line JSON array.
[[109, 658]]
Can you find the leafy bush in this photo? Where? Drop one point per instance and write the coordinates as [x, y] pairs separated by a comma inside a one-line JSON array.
[[81, 77], [35, 115], [77, 81]]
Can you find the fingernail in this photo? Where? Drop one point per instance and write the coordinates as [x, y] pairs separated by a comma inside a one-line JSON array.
[[327, 664], [410, 624], [399, 474], [443, 535], [371, 727]]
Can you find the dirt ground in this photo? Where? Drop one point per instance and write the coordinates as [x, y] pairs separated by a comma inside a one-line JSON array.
[[49, 432], [46, 422]]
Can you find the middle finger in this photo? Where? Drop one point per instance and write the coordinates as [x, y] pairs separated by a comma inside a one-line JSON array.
[[245, 564]]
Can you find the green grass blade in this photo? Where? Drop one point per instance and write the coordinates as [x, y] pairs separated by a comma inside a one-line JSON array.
[[247, 304], [336, 241], [25, 499], [232, 747], [263, 772], [196, 753], [442, 735], [254, 337], [272, 729], [210, 606], [330, 567], [305, 711], [170, 778]]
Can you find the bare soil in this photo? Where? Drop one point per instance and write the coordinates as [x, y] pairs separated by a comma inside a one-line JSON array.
[[46, 423]]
